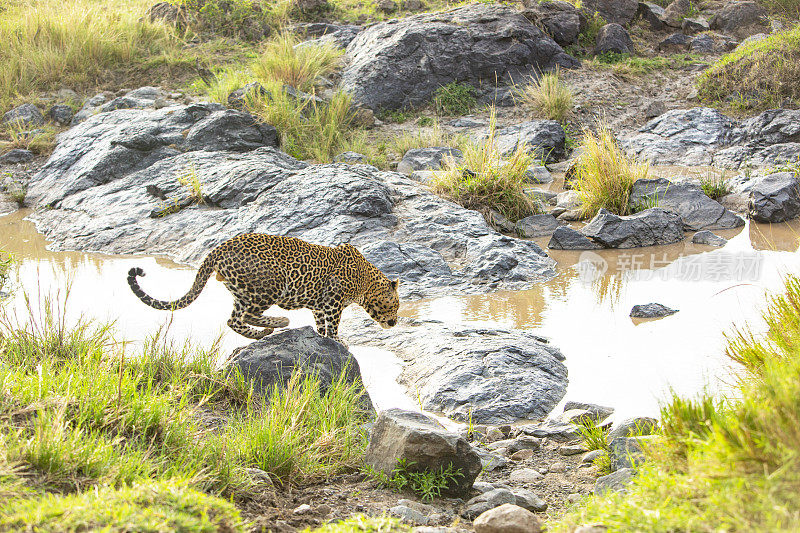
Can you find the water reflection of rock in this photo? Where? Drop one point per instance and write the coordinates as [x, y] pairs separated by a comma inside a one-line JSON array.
[[783, 237]]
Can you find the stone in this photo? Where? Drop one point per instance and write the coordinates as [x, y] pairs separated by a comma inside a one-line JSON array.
[[486, 501], [740, 19], [696, 210], [703, 44], [302, 509], [536, 226], [692, 26], [427, 158], [571, 449], [120, 166], [653, 14], [590, 457], [494, 434], [386, 6], [61, 114], [544, 139], [338, 35], [259, 476], [166, 12], [647, 228], [507, 518], [651, 310], [525, 475], [596, 412], [418, 506], [625, 452], [591, 528], [566, 238], [530, 501], [615, 481], [538, 174], [482, 486], [487, 375], [409, 515], [521, 455], [270, 361], [557, 467], [613, 38], [775, 197], [351, 158], [640, 425], [238, 97], [491, 461], [522, 442], [675, 12], [400, 63], [424, 445], [654, 109], [674, 43], [613, 11], [15, 156], [553, 430], [708, 238], [23, 116], [774, 126], [561, 20]]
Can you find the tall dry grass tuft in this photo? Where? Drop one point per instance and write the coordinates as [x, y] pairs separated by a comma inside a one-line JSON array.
[[548, 96], [484, 181], [298, 66], [604, 175]]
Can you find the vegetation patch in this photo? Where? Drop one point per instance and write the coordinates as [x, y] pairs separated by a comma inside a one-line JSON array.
[[548, 96], [715, 186], [723, 464], [757, 75], [365, 524], [604, 175], [297, 66], [484, 181], [249, 20], [427, 484], [454, 99]]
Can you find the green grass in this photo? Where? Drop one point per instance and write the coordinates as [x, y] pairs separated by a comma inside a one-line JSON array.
[[6, 262], [715, 185], [249, 20], [548, 96], [80, 416], [604, 175], [789, 9], [758, 75], [49, 44], [454, 99], [16, 136], [628, 65], [427, 484], [432, 136], [484, 181], [729, 463], [588, 36], [188, 178], [364, 524], [297, 66]]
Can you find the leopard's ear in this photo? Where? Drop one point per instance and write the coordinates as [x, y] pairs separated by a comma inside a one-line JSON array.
[[395, 283]]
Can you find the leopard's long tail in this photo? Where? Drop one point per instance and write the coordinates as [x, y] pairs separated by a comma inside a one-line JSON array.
[[206, 269]]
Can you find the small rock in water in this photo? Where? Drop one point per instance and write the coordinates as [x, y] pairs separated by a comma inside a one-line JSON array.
[[708, 238], [651, 310], [507, 518]]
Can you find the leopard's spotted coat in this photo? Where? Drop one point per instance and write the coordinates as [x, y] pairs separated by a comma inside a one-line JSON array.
[[264, 270]]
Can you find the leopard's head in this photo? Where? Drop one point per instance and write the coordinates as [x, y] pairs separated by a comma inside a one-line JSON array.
[[381, 301]]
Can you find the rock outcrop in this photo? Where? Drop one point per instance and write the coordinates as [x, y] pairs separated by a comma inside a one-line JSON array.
[[401, 63], [111, 186], [775, 197], [492, 375]]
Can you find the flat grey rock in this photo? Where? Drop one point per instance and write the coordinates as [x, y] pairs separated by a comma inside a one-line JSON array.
[[566, 238], [708, 238], [615, 481], [651, 310], [647, 228]]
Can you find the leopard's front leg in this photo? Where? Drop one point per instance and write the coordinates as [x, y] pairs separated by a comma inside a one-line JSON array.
[[333, 316]]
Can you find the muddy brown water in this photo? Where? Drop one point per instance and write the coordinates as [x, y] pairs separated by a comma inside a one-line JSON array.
[[612, 359]]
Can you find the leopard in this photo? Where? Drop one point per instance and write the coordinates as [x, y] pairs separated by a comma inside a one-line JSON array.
[[263, 270]]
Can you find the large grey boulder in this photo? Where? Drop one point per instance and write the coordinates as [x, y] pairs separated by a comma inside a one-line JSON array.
[[23, 116], [270, 361], [400, 63], [545, 139], [653, 14], [613, 38], [774, 126], [626, 452], [323, 33], [615, 11], [775, 197], [561, 20], [650, 227], [566, 238], [697, 211], [495, 376], [754, 157], [741, 19], [111, 179], [681, 136], [536, 226], [427, 158], [422, 444]]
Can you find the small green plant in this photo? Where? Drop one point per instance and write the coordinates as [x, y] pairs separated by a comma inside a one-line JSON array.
[[792, 166], [298, 65], [427, 484], [604, 175], [425, 121], [715, 185], [39, 141], [789, 9], [187, 176], [454, 99], [397, 116], [484, 181], [588, 36], [594, 437], [432, 136], [548, 96], [364, 524]]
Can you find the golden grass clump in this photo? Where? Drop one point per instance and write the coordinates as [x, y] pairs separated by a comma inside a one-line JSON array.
[[548, 96], [483, 181], [604, 175], [298, 66]]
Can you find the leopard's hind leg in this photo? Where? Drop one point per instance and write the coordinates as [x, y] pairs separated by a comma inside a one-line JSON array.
[[254, 317], [238, 322]]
